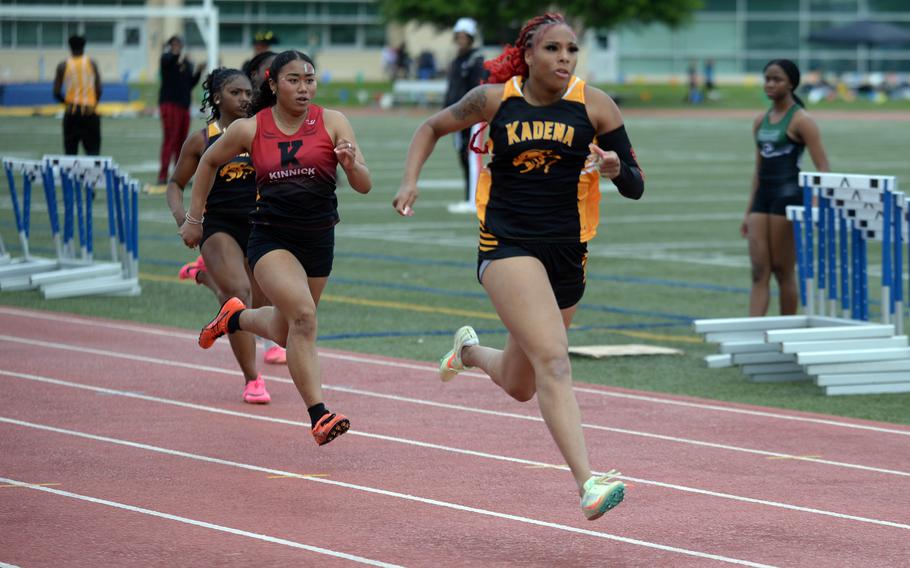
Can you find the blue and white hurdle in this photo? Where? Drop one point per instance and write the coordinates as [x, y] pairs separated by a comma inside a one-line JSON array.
[[79, 176], [832, 343], [21, 177], [76, 270], [852, 211]]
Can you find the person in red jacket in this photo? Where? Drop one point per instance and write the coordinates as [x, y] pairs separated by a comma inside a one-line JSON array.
[[178, 77]]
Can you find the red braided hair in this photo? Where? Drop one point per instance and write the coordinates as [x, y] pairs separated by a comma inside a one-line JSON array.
[[512, 62]]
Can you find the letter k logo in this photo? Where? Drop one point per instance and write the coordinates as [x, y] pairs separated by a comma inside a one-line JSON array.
[[289, 152]]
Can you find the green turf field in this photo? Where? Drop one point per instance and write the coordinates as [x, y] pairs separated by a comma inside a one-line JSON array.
[[401, 286]]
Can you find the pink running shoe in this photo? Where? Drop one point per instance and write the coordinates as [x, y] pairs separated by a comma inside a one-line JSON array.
[[254, 392], [276, 355], [190, 270]]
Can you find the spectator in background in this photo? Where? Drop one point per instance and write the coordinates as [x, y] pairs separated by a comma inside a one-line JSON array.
[[426, 65], [403, 62], [77, 84], [178, 77], [693, 94], [781, 135], [390, 61], [709, 93], [465, 73]]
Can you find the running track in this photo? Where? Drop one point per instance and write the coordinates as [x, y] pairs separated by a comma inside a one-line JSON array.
[[123, 444]]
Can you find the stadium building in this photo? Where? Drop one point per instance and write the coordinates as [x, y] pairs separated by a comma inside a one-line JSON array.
[[347, 37]]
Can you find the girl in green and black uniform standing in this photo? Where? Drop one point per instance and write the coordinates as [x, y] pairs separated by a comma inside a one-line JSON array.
[[781, 134]]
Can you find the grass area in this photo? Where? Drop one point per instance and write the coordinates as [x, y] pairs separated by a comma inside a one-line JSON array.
[[401, 286], [630, 95], [333, 94]]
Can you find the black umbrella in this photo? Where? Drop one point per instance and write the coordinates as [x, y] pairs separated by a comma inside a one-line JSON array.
[[863, 33]]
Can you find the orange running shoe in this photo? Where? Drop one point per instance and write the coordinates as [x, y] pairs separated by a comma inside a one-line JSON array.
[[330, 427], [218, 326]]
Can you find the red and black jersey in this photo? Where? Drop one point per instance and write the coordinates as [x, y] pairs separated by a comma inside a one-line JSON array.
[[295, 174], [234, 188]]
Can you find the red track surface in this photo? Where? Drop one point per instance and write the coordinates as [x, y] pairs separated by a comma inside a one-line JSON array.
[[141, 419]]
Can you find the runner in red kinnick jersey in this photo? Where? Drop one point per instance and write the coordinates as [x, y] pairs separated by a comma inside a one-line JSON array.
[[296, 148], [295, 174]]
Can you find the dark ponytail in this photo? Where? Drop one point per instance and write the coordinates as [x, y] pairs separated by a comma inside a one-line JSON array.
[[265, 98], [792, 72], [251, 67], [213, 84]]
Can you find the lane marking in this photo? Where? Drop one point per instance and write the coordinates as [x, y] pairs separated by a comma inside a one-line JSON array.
[[806, 457], [362, 488], [660, 336], [188, 521], [407, 306], [447, 406], [172, 334], [301, 475], [35, 484], [450, 449]]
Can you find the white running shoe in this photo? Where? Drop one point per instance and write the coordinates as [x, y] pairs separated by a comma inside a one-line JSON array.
[[450, 364], [602, 494]]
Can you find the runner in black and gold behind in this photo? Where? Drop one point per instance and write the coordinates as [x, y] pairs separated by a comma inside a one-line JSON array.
[[552, 138], [223, 267]]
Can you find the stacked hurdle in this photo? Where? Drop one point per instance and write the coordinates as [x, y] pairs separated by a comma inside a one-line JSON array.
[[76, 271], [15, 274], [833, 343]]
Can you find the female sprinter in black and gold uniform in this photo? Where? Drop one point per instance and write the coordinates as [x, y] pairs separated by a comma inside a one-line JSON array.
[[552, 137], [223, 267]]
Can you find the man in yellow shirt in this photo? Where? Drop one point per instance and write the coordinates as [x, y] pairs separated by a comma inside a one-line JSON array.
[[77, 85]]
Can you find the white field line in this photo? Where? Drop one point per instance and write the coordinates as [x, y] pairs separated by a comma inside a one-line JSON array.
[[383, 492], [450, 449], [459, 408], [188, 521], [366, 359]]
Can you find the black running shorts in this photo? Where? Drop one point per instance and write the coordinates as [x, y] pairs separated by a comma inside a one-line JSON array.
[[315, 250], [564, 262]]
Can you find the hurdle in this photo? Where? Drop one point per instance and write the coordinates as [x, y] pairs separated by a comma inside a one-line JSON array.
[[80, 176], [76, 270], [832, 343], [15, 273]]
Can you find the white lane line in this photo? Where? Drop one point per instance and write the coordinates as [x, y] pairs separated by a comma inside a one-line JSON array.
[[383, 492], [747, 411], [461, 451], [196, 523], [58, 317], [447, 406]]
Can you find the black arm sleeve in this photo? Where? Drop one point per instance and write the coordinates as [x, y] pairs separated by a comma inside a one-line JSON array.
[[631, 180]]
